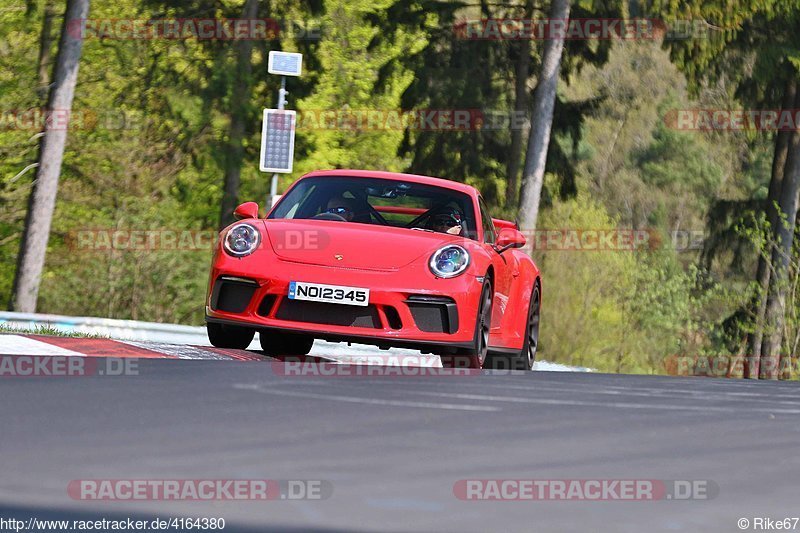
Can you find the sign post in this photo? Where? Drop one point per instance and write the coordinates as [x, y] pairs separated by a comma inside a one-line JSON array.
[[278, 126]]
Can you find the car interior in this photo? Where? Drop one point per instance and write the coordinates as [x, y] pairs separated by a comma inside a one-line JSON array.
[[381, 202]]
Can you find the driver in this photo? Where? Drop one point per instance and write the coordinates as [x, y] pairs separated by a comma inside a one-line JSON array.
[[342, 206], [449, 221]]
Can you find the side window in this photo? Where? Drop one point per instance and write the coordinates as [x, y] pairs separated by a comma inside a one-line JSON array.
[[488, 225]]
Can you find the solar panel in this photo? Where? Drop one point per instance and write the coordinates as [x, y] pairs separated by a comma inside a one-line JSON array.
[[277, 141]]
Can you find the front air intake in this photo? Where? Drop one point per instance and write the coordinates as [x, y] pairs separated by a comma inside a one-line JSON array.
[[433, 314], [232, 295]]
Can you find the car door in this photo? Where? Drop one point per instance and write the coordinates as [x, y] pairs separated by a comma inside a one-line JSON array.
[[502, 269]]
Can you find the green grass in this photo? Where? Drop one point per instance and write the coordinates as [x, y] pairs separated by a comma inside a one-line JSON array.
[[48, 330]]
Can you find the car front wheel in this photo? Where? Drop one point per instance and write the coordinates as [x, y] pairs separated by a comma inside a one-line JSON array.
[[228, 336], [477, 356], [280, 343]]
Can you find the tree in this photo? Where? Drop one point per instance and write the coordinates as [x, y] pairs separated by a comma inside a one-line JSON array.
[[345, 61], [756, 49], [542, 120], [522, 75], [781, 256], [225, 83], [45, 45], [239, 115], [763, 274], [33, 245], [446, 76]]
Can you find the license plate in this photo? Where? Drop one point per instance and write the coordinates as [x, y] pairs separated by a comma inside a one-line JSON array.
[[332, 294]]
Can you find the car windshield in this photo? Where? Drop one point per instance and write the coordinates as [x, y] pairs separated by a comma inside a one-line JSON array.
[[395, 203]]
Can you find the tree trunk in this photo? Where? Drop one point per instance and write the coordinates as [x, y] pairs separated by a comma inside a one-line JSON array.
[[45, 49], [41, 203], [784, 237], [521, 75], [763, 273], [541, 121], [234, 152]]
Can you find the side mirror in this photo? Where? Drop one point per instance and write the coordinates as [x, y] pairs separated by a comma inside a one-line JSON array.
[[509, 238], [246, 210]]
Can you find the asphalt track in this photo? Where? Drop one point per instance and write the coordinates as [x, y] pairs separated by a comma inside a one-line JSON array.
[[393, 447]]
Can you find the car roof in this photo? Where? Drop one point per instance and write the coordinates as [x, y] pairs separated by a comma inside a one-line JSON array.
[[380, 174]]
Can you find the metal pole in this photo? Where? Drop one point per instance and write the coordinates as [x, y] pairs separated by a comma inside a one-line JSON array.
[[282, 93], [273, 187]]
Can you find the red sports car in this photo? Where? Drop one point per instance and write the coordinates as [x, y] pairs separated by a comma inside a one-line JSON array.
[[393, 260]]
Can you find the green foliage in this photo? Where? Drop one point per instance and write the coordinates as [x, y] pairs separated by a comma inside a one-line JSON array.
[[346, 80], [47, 330], [585, 290], [616, 310], [155, 146], [456, 73], [641, 168], [679, 169]]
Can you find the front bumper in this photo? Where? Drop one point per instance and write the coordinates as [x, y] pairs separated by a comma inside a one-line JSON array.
[[407, 307]]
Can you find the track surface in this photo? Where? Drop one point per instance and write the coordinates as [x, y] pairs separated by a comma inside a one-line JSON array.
[[393, 447]]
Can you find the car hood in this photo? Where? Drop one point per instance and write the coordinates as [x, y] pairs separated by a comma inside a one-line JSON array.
[[351, 245]]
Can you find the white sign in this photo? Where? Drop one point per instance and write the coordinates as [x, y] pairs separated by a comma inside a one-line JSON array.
[[285, 63]]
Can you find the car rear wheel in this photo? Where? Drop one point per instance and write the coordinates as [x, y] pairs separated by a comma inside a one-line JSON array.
[[280, 343], [228, 336], [527, 356], [477, 356]]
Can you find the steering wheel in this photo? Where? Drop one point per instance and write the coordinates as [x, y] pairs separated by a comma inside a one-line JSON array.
[[330, 216]]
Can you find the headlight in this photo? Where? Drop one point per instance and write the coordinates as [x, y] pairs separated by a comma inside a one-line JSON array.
[[241, 240], [449, 261]]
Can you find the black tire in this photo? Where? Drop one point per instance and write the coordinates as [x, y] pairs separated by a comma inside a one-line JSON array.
[[477, 356], [280, 343], [227, 336], [527, 356]]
